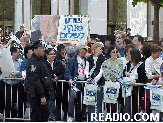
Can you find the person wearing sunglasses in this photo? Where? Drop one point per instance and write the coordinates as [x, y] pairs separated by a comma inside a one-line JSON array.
[[119, 43], [112, 68]]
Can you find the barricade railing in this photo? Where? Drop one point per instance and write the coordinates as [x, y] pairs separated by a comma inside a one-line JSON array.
[[21, 80]]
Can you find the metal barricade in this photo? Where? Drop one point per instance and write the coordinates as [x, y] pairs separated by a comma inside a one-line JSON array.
[[13, 88], [24, 118]]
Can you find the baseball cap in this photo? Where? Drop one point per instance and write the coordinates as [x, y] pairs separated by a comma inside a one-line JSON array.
[[36, 44], [81, 46]]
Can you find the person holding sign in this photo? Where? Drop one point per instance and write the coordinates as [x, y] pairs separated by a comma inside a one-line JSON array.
[[152, 67], [136, 74], [112, 70], [95, 76], [76, 69]]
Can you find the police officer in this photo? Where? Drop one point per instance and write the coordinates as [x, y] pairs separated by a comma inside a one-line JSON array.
[[35, 84]]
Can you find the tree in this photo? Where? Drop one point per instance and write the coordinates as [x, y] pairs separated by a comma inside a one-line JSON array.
[[157, 4]]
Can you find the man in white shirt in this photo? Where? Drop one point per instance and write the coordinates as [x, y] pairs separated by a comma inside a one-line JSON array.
[[76, 67], [16, 85]]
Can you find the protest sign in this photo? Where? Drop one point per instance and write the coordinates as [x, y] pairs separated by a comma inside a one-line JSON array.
[[7, 65], [73, 29], [111, 91], [89, 94], [45, 28]]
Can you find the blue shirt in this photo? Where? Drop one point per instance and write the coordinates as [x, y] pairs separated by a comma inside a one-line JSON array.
[[17, 64], [23, 65], [121, 50]]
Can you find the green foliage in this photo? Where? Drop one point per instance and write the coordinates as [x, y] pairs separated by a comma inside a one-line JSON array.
[[134, 3]]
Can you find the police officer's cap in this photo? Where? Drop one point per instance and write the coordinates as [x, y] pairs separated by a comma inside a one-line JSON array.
[[36, 44]]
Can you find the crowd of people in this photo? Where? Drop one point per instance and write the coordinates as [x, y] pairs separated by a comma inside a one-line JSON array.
[[45, 64]]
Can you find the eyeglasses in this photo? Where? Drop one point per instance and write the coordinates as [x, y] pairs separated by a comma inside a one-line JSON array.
[[118, 37], [102, 48], [114, 52], [52, 54]]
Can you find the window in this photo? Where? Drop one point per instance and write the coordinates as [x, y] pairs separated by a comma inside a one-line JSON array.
[[41, 7], [6, 10]]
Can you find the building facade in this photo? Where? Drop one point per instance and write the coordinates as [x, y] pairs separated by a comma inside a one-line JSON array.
[[105, 15]]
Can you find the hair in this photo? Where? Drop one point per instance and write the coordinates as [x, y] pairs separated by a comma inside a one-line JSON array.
[[13, 50], [111, 47], [127, 41], [95, 46], [122, 33], [146, 51], [135, 56], [155, 48], [24, 37], [70, 51], [140, 38], [59, 47], [26, 49], [47, 51], [127, 47], [9, 31]]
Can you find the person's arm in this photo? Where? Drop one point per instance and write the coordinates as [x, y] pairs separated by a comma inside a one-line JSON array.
[[23, 65], [141, 74], [62, 70], [98, 77], [148, 70], [68, 71]]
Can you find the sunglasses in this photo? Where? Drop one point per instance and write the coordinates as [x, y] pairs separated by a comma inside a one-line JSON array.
[[118, 37], [52, 54], [114, 52]]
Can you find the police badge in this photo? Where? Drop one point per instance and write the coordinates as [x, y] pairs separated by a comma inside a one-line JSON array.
[[33, 68]]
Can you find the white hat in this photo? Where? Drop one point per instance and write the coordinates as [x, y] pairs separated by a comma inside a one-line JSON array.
[[82, 46]]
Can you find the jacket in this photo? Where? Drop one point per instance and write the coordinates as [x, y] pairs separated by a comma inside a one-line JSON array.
[[96, 71], [72, 68], [58, 69], [35, 72]]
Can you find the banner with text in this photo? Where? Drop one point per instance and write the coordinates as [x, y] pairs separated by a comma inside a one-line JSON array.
[[73, 29]]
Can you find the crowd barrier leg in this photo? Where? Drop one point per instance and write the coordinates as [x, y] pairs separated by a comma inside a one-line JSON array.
[[14, 108], [131, 106], [138, 99], [145, 101], [5, 105]]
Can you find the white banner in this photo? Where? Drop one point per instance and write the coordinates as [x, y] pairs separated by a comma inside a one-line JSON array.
[[137, 18], [73, 29], [156, 98], [89, 94], [126, 89], [111, 91], [7, 65]]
